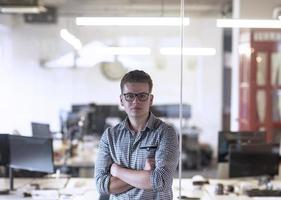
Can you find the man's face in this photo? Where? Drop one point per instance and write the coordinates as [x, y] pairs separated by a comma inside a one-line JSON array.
[[136, 99]]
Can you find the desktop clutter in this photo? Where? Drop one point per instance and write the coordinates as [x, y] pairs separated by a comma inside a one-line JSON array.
[[248, 163], [22, 155], [200, 187], [52, 189]]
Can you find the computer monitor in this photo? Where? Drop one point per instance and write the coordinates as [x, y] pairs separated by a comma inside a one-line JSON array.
[[41, 130], [4, 150], [97, 118], [253, 160], [226, 138], [31, 153], [171, 110]]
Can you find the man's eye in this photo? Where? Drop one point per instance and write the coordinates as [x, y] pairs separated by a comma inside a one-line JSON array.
[[130, 96], [142, 96]]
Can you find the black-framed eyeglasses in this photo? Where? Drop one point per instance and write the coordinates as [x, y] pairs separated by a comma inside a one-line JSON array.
[[130, 97]]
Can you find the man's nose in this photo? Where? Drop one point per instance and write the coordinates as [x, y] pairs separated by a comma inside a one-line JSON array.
[[135, 99]]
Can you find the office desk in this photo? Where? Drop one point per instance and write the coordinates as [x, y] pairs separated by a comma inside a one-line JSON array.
[[208, 191], [72, 188], [82, 163], [84, 189]]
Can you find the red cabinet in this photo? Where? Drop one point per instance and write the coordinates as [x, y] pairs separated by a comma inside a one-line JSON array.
[[260, 82]]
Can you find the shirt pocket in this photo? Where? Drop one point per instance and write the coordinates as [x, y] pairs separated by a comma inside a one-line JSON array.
[[148, 150]]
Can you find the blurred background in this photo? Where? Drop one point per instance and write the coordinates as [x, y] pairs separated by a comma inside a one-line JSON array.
[[62, 60]]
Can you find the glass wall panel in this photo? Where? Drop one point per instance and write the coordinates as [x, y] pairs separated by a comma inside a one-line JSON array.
[[261, 68], [58, 70], [260, 102]]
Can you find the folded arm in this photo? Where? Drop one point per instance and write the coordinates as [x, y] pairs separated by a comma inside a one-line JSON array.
[[107, 184], [136, 178], [166, 158], [117, 186]]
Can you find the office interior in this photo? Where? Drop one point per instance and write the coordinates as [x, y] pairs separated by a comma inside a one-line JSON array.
[[217, 84]]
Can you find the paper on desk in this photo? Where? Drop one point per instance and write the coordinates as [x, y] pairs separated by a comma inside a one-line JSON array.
[[74, 191], [45, 194]]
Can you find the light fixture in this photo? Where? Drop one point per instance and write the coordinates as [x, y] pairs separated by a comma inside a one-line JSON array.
[[124, 51], [86, 57], [131, 21], [23, 9], [189, 51], [248, 23], [71, 39]]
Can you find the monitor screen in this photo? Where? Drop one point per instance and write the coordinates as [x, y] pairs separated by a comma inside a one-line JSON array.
[[171, 110], [226, 138], [97, 118], [253, 160], [4, 149], [41, 130], [31, 153]]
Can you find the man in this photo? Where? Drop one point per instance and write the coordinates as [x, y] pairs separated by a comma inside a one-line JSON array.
[[138, 157]]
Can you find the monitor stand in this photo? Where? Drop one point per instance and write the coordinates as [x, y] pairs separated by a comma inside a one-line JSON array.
[[11, 176], [265, 181], [11, 180], [223, 170], [5, 191]]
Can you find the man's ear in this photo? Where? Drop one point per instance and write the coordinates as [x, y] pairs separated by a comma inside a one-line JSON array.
[[151, 99], [121, 100]]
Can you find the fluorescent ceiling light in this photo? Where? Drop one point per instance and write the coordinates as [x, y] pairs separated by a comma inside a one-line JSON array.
[[93, 53], [65, 61], [23, 9], [71, 39], [189, 51], [131, 21], [124, 51], [248, 23]]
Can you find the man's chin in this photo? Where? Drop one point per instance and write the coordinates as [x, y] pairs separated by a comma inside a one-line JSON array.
[[136, 114]]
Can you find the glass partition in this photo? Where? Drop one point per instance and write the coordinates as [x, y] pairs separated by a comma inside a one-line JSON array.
[[66, 72]]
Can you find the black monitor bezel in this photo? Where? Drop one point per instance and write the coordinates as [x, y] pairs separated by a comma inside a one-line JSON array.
[[243, 160], [239, 137], [5, 146]]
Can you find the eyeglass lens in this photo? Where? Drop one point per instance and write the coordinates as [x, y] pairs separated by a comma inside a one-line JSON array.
[[141, 96]]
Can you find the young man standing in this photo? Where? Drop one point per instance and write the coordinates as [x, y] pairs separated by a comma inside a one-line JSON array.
[[138, 157]]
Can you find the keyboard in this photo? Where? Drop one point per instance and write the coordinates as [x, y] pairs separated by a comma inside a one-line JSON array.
[[263, 193]]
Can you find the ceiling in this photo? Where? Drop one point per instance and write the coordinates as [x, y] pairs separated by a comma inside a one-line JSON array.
[[194, 8]]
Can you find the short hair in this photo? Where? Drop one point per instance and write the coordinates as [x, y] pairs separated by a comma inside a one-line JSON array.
[[136, 76]]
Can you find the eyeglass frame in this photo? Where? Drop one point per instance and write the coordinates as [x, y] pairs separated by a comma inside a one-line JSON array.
[[136, 95]]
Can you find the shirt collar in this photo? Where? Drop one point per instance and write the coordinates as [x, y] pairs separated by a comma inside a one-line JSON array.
[[149, 124]]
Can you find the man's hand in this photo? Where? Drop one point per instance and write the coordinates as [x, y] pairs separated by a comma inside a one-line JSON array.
[[123, 179], [149, 164], [114, 169]]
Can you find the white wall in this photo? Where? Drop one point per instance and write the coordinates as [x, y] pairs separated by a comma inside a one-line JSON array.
[[32, 93], [258, 9]]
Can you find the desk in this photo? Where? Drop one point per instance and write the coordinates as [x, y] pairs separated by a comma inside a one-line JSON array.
[[84, 189], [78, 167], [76, 188], [83, 161], [208, 191]]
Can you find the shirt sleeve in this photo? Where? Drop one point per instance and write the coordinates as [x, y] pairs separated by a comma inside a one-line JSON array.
[[102, 165], [166, 160]]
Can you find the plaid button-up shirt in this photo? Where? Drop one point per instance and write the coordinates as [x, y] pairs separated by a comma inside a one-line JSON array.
[[121, 146]]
